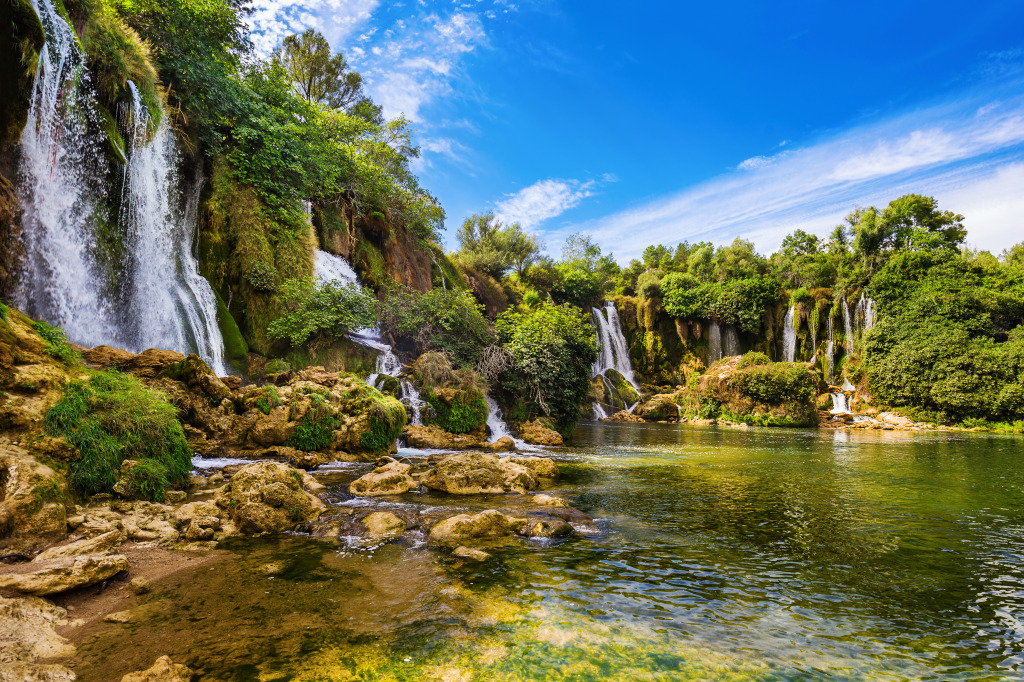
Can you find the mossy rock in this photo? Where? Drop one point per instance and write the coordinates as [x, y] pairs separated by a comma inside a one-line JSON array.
[[457, 411], [20, 41]]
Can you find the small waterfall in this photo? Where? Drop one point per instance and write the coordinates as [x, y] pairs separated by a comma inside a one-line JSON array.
[[170, 305], [830, 350], [328, 267], [847, 386], [813, 329], [789, 335], [867, 312], [497, 426], [411, 399], [600, 412], [613, 352], [61, 181], [714, 342], [847, 326], [730, 341], [840, 405]]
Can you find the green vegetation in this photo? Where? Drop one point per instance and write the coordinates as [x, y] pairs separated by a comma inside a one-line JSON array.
[[57, 343], [456, 395], [447, 320], [268, 399], [316, 430], [112, 417], [320, 312], [387, 419]]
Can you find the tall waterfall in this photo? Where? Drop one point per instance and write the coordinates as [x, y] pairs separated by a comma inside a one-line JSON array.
[[61, 182], [789, 335], [847, 326], [154, 296], [830, 353], [866, 308], [730, 341], [170, 304], [714, 342], [613, 353]]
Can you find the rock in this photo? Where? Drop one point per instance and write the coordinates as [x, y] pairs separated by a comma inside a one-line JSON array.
[[624, 416], [106, 357], [197, 482], [535, 433], [391, 479], [491, 527], [549, 501], [268, 497], [139, 585], [470, 553], [433, 438], [118, 617], [473, 473], [546, 528], [273, 428], [101, 544], [382, 525], [27, 521], [304, 460], [175, 496], [540, 467], [164, 670], [895, 419], [151, 363], [26, 635], [503, 444], [61, 575]]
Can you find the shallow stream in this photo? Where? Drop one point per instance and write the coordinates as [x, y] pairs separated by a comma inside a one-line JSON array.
[[717, 554]]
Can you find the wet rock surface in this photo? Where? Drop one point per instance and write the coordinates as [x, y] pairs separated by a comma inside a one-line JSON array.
[[60, 575]]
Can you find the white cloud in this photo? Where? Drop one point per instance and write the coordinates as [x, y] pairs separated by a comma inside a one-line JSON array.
[[968, 154], [272, 20], [542, 200]]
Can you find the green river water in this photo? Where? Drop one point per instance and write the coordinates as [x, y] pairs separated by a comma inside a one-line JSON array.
[[715, 554]]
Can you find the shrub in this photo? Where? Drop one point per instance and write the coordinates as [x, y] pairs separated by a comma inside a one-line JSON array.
[[262, 276], [449, 321], [459, 413], [57, 343], [319, 313], [778, 382], [268, 400], [743, 302], [146, 480], [753, 359], [799, 296], [111, 417], [688, 298], [316, 430], [648, 285]]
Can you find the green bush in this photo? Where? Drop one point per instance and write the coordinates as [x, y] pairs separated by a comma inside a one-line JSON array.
[[147, 480], [262, 276], [688, 298], [57, 343], [753, 359], [743, 302], [316, 430], [268, 400], [320, 312], [463, 414], [648, 285], [779, 382], [111, 417], [446, 320]]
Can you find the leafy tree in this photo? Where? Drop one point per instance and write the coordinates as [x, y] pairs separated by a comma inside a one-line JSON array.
[[318, 75], [446, 320], [688, 298], [552, 350], [743, 302], [491, 247], [318, 313], [1014, 256]]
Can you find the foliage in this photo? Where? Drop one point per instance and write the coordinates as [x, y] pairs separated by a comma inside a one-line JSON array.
[[743, 302], [485, 244], [268, 400], [552, 350], [753, 359], [57, 343], [316, 430], [775, 382], [146, 480], [460, 414], [387, 419], [648, 285], [448, 320], [110, 417], [319, 76], [319, 312], [688, 298]]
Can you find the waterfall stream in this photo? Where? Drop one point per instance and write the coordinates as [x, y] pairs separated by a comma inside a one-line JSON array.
[[847, 327], [153, 294], [789, 335], [730, 341], [613, 353], [830, 353], [714, 342]]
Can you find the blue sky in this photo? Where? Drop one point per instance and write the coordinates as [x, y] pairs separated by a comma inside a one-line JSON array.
[[646, 123]]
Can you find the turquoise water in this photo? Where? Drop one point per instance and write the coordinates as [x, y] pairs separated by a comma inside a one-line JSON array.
[[718, 554]]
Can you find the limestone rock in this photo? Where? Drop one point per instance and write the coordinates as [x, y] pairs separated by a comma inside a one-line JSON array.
[[503, 444], [624, 416], [151, 363], [105, 357], [139, 585], [61, 575], [26, 635], [470, 553], [25, 522], [433, 438], [391, 479], [273, 428], [164, 670], [118, 617], [540, 467], [268, 497], [549, 501], [472, 473], [546, 528], [535, 433], [101, 544], [382, 525], [491, 527]]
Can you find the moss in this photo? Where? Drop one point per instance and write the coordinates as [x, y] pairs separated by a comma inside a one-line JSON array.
[[145, 480], [387, 419], [459, 414], [268, 399], [277, 366], [57, 343], [316, 430], [235, 347], [111, 417], [370, 262], [20, 41], [443, 272]]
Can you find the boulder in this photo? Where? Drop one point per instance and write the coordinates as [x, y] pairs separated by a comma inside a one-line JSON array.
[[164, 670], [268, 497], [26, 635], [540, 467], [60, 575], [549, 501], [490, 527], [101, 544], [106, 357], [895, 419], [273, 428], [391, 479], [470, 553], [503, 444], [28, 521], [624, 416], [546, 528], [433, 438], [535, 433], [382, 525], [151, 363], [473, 473]]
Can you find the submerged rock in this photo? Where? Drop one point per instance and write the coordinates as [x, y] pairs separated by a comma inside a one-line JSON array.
[[268, 497], [391, 479], [491, 527], [164, 670], [61, 575], [470, 553], [382, 525], [535, 433]]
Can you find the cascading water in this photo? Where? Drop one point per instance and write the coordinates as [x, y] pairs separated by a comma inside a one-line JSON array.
[[170, 305], [613, 353], [497, 426], [840, 405], [867, 312], [730, 341], [789, 335], [847, 326], [328, 267], [830, 350], [714, 342], [61, 182]]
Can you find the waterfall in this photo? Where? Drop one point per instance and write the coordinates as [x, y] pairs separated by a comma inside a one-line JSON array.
[[411, 399], [328, 267], [847, 326], [61, 182], [730, 341], [867, 311], [830, 350], [714, 342], [497, 426], [813, 329], [612, 352], [840, 405], [789, 335], [170, 305]]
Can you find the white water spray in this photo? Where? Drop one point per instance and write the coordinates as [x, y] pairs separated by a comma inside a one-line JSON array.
[[613, 353], [789, 335], [830, 351], [730, 341], [714, 342]]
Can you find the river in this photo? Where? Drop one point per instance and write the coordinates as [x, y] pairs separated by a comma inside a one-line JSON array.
[[716, 554]]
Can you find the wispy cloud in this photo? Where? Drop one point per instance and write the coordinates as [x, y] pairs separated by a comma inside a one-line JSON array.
[[968, 154], [542, 200], [272, 20]]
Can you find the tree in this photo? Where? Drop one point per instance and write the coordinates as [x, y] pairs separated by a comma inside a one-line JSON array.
[[319, 76], [1014, 256]]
